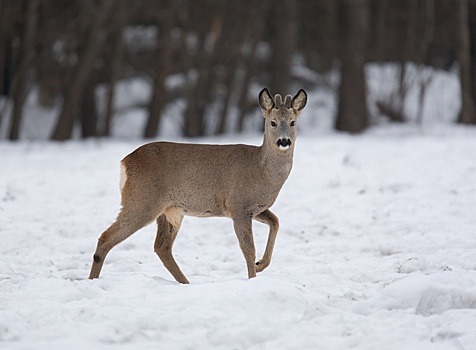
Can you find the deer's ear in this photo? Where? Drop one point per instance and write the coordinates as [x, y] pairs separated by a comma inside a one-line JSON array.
[[299, 101], [266, 102]]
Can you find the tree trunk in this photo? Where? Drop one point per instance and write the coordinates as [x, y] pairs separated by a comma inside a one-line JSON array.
[[116, 65], [19, 88], [251, 65], [88, 110], [283, 45], [3, 45], [48, 77], [408, 48], [162, 69], [425, 42], [352, 113], [233, 47], [467, 114], [69, 112], [199, 92]]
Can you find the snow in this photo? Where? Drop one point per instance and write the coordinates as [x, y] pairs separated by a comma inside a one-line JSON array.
[[376, 250]]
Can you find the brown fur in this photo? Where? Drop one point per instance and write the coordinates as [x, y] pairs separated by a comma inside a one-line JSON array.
[[165, 181]]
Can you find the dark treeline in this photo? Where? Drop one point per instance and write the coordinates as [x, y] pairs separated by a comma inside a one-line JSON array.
[[219, 49]]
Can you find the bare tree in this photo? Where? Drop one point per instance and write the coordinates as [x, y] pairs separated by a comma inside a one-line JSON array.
[[5, 16], [392, 104], [199, 88], [250, 66], [88, 113], [283, 43], [72, 98], [251, 62], [117, 58], [20, 80], [240, 26], [467, 114], [352, 113], [425, 78], [162, 69]]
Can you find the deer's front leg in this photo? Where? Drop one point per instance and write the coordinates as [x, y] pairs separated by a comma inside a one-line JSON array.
[[244, 233], [267, 217]]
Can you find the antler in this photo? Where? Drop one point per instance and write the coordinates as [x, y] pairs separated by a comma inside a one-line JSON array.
[[278, 101], [287, 101]]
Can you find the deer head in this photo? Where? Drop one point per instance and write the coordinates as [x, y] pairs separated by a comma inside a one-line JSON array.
[[281, 118]]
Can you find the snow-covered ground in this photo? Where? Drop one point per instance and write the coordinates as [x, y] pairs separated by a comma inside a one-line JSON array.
[[377, 250]]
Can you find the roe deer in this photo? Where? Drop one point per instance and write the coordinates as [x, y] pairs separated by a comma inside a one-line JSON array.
[[164, 181]]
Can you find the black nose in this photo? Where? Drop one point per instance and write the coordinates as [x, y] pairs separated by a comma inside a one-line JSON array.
[[284, 142]]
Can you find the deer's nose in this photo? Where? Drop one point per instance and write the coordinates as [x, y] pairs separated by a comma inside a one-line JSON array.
[[284, 143]]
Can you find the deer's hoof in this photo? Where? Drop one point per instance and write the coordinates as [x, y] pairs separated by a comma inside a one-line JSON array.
[[261, 265]]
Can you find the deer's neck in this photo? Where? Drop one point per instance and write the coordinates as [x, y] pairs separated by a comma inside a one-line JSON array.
[[276, 164]]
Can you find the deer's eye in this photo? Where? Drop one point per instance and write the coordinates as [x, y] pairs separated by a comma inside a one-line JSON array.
[[293, 123], [273, 124]]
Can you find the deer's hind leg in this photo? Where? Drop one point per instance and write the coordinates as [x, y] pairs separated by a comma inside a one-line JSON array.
[[267, 217], [128, 222], [168, 225]]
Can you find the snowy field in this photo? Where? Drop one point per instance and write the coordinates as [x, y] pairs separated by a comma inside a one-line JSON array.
[[377, 250]]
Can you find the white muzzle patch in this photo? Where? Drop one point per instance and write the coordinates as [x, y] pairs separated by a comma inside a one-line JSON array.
[[283, 144]]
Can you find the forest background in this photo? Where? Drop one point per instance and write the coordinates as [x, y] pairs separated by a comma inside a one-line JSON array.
[[208, 59]]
